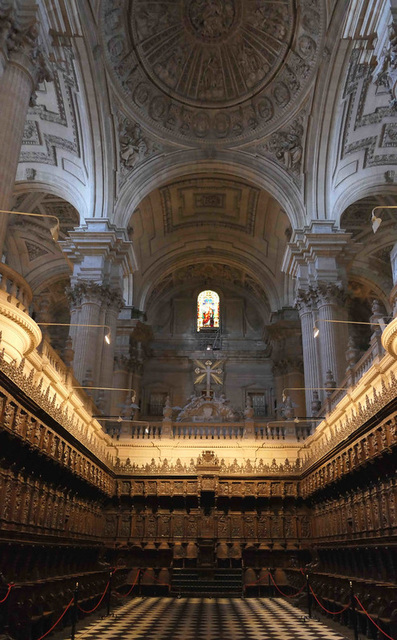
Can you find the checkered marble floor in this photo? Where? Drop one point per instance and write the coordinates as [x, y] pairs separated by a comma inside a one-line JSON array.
[[207, 619]]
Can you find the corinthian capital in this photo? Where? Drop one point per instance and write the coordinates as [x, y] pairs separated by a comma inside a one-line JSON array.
[[19, 40], [305, 300], [89, 291], [330, 293]]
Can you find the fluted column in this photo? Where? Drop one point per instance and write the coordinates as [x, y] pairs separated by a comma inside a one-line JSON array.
[[316, 259], [311, 364], [393, 294], [140, 339], [94, 304], [121, 400], [333, 337], [113, 305], [86, 304], [103, 258], [285, 335], [24, 67]]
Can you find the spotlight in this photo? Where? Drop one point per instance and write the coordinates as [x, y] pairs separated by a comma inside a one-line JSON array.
[[376, 222]]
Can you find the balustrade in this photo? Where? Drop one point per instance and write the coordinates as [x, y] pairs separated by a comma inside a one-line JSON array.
[[208, 431], [15, 288], [142, 430], [353, 377]]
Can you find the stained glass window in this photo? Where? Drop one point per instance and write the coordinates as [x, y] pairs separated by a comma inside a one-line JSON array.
[[207, 310]]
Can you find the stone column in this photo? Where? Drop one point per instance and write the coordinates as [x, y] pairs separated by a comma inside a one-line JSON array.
[[316, 258], [311, 365], [285, 335], [140, 338], [102, 257], [393, 294], [121, 401], [333, 337], [94, 304], [113, 303], [24, 67]]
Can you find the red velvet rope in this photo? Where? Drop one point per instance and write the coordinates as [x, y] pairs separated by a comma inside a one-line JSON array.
[[96, 606], [59, 620], [333, 613], [285, 594], [124, 595], [162, 584], [252, 584], [373, 621], [7, 594]]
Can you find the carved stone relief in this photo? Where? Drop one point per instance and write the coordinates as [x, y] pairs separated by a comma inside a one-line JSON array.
[[136, 146], [286, 146], [367, 106], [185, 205], [55, 104], [209, 70]]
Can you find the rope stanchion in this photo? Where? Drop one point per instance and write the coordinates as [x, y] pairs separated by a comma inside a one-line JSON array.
[[109, 592], [96, 606], [74, 611], [10, 586], [333, 613], [125, 595], [353, 611], [308, 596], [59, 620], [373, 621], [285, 594]]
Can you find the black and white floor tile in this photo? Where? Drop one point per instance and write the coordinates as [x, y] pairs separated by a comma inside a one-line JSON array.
[[207, 619]]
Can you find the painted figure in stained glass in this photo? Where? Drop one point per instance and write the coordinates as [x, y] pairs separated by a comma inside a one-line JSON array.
[[207, 310]]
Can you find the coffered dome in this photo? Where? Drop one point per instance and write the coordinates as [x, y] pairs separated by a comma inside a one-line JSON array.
[[206, 70]]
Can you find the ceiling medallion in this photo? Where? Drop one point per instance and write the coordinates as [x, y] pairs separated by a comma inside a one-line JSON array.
[[205, 70]]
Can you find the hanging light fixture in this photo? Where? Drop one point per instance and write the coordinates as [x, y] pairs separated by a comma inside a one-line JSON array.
[[375, 221], [107, 336], [54, 228], [316, 330]]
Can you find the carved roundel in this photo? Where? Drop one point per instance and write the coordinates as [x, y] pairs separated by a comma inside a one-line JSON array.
[[205, 70]]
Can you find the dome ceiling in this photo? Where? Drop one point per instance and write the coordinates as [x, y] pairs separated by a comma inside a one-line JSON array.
[[206, 70]]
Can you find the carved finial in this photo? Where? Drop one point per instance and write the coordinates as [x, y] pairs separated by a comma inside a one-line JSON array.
[[167, 411], [316, 404], [329, 381]]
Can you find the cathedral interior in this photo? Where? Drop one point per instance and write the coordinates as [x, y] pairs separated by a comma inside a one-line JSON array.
[[198, 302]]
